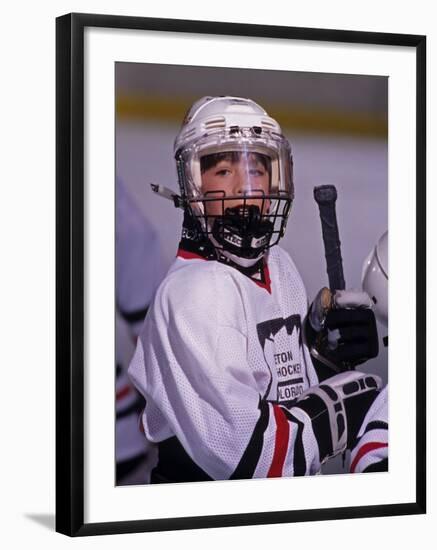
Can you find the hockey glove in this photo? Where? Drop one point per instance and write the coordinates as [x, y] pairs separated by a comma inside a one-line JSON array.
[[337, 409], [341, 329]]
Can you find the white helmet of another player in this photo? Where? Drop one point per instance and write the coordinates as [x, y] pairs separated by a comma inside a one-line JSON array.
[[227, 135], [374, 278]]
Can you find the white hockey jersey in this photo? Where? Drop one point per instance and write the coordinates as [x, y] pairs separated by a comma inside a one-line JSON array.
[[220, 360]]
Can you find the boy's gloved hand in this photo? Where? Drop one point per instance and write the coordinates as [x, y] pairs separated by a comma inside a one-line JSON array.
[[343, 328]]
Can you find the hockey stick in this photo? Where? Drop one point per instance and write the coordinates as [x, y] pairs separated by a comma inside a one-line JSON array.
[[326, 196]]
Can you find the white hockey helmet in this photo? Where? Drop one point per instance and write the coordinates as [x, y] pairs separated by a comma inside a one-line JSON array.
[[374, 278], [236, 128]]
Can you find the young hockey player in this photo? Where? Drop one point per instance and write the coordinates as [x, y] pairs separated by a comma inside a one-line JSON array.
[[223, 360]]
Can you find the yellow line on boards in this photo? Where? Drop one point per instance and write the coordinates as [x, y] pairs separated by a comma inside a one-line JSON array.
[[293, 118]]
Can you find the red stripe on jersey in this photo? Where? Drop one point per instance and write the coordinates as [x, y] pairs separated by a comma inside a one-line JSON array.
[[281, 442], [122, 392], [186, 255], [267, 282], [364, 450]]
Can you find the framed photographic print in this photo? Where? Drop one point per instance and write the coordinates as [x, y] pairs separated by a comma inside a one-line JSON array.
[[232, 201]]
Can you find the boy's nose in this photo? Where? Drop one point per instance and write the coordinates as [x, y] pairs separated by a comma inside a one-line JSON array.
[[240, 183]]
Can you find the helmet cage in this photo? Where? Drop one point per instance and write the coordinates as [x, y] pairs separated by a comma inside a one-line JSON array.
[[264, 233]]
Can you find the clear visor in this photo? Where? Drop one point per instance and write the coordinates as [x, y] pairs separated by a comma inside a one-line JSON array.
[[238, 165]]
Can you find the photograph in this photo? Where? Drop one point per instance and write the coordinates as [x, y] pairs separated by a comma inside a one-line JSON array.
[[251, 273], [219, 264]]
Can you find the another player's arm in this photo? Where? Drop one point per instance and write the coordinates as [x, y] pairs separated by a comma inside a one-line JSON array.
[[370, 451]]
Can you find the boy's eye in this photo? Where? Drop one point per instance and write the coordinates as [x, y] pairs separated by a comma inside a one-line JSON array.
[[256, 172], [223, 172]]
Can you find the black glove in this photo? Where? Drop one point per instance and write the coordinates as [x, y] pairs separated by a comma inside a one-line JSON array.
[[341, 329]]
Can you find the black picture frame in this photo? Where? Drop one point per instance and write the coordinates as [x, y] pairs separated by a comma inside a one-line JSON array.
[[70, 272]]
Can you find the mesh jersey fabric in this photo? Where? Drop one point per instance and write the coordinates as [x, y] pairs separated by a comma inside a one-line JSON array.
[[220, 360]]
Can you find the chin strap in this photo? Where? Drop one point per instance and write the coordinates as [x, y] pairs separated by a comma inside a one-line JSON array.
[[166, 193], [227, 257], [251, 270]]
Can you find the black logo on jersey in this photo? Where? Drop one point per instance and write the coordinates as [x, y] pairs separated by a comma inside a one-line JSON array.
[[287, 370], [268, 329]]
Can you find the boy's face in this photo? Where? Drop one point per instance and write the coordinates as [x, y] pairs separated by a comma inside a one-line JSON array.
[[234, 176]]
